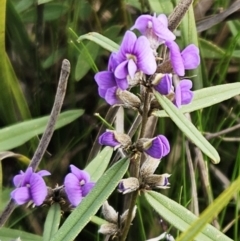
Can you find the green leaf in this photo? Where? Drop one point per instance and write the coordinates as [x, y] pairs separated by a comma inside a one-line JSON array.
[[99, 164], [18, 134], [181, 218], [43, 1], [7, 154], [7, 234], [92, 202], [52, 222], [86, 59], [207, 97], [101, 40], [211, 212], [163, 6], [187, 127], [189, 35], [210, 51]]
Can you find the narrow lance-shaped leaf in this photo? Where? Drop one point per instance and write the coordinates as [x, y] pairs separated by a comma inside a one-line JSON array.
[[188, 128], [92, 202], [182, 218], [7, 234], [99, 164], [52, 222], [101, 40], [207, 97], [211, 212], [18, 134]]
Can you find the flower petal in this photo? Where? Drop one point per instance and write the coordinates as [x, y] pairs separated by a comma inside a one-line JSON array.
[[87, 188], [121, 71], [127, 45], [38, 189], [17, 180], [80, 174], [111, 96], [178, 96], [21, 195], [108, 139], [122, 83], [186, 93], [105, 79], [161, 30], [132, 68], [165, 85], [176, 58], [165, 143], [142, 23], [145, 58], [163, 19], [112, 62], [27, 176], [102, 92], [43, 173], [190, 56], [73, 189], [159, 148], [183, 94]]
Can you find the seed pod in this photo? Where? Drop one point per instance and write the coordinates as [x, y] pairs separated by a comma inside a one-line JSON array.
[[128, 185]]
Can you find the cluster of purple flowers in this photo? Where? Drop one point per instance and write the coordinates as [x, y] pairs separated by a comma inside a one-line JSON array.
[[136, 57], [30, 186], [135, 60]]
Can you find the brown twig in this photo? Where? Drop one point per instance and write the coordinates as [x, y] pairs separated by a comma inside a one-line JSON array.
[[37, 157]]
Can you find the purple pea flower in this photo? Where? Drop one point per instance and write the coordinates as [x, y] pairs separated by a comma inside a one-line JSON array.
[[165, 86], [135, 54], [108, 139], [77, 185], [183, 94], [187, 59], [157, 147], [30, 186], [114, 139], [108, 83], [154, 28]]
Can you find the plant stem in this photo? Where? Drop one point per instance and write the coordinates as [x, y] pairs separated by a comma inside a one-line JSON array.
[[43, 144], [136, 161]]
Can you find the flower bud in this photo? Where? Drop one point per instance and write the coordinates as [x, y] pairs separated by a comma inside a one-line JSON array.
[[156, 147], [164, 86], [128, 185], [158, 181], [149, 167], [128, 99], [114, 139], [108, 229], [109, 213], [157, 78]]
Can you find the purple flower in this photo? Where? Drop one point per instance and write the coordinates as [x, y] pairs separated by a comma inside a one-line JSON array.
[[107, 87], [187, 59], [77, 185], [154, 28], [159, 147], [108, 83], [114, 139], [108, 139], [165, 86], [183, 94], [135, 54], [30, 186]]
